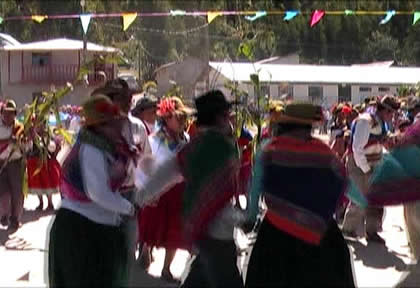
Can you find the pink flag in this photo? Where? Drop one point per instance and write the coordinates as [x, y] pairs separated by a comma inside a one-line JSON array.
[[316, 17]]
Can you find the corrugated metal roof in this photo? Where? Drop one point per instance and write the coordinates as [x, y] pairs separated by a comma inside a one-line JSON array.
[[58, 44], [322, 74]]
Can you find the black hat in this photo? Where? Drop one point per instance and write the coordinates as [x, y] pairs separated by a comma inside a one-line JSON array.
[[115, 88], [213, 101], [144, 103], [390, 103]]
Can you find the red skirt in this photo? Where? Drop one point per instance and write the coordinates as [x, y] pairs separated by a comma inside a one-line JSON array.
[[161, 225], [47, 180]]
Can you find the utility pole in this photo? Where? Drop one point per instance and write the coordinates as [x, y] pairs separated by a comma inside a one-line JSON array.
[[82, 5]]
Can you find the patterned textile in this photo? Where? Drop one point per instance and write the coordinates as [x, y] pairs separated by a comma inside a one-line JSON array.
[[302, 181], [71, 181], [396, 179], [210, 166]]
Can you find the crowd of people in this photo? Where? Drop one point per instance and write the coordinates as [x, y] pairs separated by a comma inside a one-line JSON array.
[[161, 174]]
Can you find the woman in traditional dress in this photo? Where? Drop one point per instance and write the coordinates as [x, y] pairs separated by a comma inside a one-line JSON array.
[[299, 243], [44, 174], [160, 225], [88, 247]]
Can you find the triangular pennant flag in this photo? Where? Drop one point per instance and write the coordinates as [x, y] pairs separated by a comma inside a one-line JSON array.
[[257, 15], [128, 19], [1, 20], [85, 18], [348, 12], [38, 18], [416, 17], [388, 17], [212, 15], [316, 17], [290, 15], [178, 12]]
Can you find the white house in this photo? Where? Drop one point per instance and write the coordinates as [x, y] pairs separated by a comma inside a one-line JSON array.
[[320, 84], [29, 68]]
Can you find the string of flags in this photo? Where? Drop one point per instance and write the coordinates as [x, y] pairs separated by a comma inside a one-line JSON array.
[[129, 17]]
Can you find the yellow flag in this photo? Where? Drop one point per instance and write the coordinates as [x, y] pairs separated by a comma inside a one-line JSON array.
[[39, 18], [128, 19], [212, 15]]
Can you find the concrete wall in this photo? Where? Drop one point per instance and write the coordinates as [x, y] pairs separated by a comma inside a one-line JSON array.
[[358, 96], [330, 95], [300, 92]]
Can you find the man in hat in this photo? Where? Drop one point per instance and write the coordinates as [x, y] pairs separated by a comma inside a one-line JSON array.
[[145, 110], [369, 133], [209, 164], [11, 170]]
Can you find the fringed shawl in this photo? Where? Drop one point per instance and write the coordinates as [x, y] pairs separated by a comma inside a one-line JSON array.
[[210, 165]]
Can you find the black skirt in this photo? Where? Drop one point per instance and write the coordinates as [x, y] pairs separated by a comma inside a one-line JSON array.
[[83, 253], [280, 260]]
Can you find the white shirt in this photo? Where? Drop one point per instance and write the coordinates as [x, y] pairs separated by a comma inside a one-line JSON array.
[[364, 127], [135, 134], [106, 206]]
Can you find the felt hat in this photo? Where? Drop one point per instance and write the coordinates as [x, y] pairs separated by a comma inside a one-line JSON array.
[[213, 102], [115, 87], [300, 113], [173, 106], [144, 103], [389, 102], [100, 109]]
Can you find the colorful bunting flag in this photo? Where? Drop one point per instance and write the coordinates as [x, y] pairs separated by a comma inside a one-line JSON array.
[[178, 12], [39, 18], [388, 17], [1, 20], [348, 12], [290, 15], [316, 17], [212, 15], [257, 15], [128, 19], [416, 17], [85, 18]]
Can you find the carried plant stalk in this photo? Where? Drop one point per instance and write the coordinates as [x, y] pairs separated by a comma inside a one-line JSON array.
[[36, 128]]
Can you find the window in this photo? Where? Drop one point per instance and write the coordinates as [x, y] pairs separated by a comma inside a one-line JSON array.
[[344, 93], [365, 89], [316, 94], [383, 89], [265, 90], [285, 91], [41, 59]]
